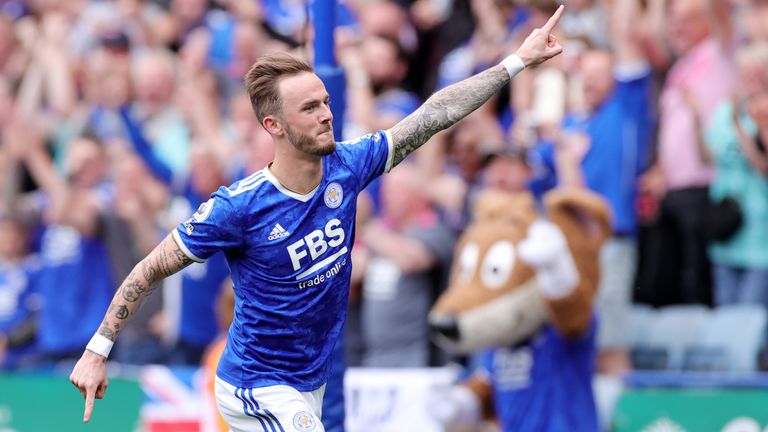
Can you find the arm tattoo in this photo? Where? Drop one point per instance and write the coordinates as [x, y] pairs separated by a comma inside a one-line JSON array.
[[122, 312], [162, 262], [149, 272], [132, 291], [181, 258], [445, 108], [106, 331]]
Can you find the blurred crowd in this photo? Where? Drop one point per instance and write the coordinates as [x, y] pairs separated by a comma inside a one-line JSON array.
[[119, 118]]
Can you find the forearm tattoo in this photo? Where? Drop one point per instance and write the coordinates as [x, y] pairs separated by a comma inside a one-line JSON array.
[[445, 108], [165, 260]]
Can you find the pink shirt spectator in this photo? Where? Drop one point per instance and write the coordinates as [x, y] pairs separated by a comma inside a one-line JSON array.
[[708, 74]]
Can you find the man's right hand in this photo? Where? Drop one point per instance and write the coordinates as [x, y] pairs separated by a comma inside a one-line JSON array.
[[90, 377]]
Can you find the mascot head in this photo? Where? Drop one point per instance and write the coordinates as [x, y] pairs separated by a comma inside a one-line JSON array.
[[493, 299]]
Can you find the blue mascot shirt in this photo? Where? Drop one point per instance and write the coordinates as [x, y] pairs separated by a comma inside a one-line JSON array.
[[545, 384]]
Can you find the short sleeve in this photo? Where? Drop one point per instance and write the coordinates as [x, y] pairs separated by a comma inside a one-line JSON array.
[[368, 156], [633, 84], [214, 227], [439, 240]]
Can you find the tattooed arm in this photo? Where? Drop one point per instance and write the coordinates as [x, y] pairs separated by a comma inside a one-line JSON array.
[[445, 108], [89, 374], [165, 260], [456, 101]]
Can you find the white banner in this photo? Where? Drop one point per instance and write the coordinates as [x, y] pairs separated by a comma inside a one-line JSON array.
[[394, 400]]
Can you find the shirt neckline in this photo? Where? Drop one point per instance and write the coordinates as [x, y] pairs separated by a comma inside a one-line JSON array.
[[289, 193]]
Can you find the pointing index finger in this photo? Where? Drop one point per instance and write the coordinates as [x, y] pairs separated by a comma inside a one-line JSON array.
[[552, 22], [89, 397]]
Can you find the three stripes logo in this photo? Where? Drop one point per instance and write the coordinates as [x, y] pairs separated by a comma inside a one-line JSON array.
[[251, 408], [278, 232]]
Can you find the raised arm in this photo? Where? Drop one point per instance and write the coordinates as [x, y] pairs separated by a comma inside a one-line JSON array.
[[90, 374], [456, 101]]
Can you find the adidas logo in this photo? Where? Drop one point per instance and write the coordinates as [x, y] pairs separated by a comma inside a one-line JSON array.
[[278, 232]]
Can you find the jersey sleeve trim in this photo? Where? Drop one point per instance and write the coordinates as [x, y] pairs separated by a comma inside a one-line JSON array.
[[390, 151], [184, 248]]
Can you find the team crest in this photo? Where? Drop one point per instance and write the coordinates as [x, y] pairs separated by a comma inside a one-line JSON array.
[[304, 421], [333, 195], [203, 211]]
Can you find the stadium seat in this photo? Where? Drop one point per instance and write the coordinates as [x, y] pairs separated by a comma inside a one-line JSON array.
[[640, 318], [649, 358], [670, 332], [706, 359], [738, 331], [643, 356]]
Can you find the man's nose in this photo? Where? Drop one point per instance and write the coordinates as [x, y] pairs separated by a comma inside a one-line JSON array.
[[326, 116]]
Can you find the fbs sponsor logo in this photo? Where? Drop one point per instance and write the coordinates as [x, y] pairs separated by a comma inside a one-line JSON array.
[[278, 232]]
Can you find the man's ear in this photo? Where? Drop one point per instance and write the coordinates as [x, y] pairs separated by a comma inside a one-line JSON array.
[[273, 125]]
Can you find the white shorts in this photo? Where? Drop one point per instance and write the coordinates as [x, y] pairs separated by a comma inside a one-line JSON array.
[[277, 408]]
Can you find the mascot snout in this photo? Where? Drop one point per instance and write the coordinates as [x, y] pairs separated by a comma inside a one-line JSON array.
[[520, 299]]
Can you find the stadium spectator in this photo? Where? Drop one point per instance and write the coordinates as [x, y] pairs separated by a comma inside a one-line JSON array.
[[454, 165], [19, 301], [75, 264], [677, 269], [153, 75], [376, 70], [750, 18], [410, 252], [736, 140], [508, 169], [12, 53], [496, 29], [587, 19]]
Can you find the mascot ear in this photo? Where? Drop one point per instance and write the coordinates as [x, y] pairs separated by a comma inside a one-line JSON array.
[[497, 205], [580, 214]]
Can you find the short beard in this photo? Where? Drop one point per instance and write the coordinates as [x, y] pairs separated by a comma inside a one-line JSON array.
[[307, 144]]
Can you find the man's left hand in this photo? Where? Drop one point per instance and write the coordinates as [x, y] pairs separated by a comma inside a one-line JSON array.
[[541, 44]]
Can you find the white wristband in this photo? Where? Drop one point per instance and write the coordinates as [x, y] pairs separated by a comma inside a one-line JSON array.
[[514, 64], [100, 345]]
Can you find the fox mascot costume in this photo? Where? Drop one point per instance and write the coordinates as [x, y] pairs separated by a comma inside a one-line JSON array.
[[520, 299]]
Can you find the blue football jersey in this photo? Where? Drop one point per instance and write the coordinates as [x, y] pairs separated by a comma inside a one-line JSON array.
[[289, 255], [545, 384]]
